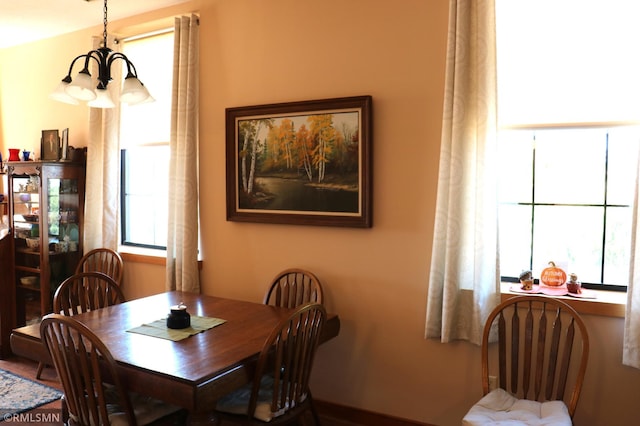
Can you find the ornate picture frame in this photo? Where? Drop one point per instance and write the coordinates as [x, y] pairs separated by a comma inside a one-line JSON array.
[[301, 163], [50, 145]]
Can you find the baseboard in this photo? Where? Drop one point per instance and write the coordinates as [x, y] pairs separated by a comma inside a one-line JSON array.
[[361, 417]]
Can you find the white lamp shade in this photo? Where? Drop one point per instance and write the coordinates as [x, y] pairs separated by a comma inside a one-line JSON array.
[[81, 87], [143, 98], [148, 100], [102, 100], [60, 95], [133, 91]]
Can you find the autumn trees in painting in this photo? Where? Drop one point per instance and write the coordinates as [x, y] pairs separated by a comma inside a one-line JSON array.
[[320, 150]]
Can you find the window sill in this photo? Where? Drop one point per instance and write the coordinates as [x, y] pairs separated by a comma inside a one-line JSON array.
[[148, 256], [142, 255], [607, 303]]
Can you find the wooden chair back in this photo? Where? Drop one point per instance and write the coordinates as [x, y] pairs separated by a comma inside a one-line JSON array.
[[287, 357], [85, 292], [103, 260], [294, 287], [541, 351], [83, 362]]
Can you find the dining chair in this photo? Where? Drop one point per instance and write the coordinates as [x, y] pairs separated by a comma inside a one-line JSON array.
[[294, 287], [103, 260], [279, 393], [535, 349], [84, 292], [85, 365]]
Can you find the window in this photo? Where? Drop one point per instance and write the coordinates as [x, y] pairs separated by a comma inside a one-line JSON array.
[[566, 197], [569, 115], [144, 196], [144, 140]]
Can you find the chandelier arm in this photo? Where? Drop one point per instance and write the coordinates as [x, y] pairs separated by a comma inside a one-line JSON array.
[[131, 69], [92, 55], [67, 78], [87, 56]]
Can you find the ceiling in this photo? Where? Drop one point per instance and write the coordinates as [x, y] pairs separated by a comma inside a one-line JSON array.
[[24, 21]]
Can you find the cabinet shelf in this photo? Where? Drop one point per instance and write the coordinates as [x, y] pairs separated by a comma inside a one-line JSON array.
[[29, 288], [29, 269], [28, 251]]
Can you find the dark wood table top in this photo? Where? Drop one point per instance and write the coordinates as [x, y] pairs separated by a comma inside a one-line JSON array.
[[192, 373]]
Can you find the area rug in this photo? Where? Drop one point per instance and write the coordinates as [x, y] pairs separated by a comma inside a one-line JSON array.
[[18, 394]]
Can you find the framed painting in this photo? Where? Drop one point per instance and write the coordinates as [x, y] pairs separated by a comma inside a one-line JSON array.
[[50, 145], [301, 163], [64, 145]]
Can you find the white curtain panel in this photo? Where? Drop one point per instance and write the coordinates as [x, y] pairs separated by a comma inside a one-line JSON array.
[[631, 342], [182, 237], [103, 173], [464, 282]]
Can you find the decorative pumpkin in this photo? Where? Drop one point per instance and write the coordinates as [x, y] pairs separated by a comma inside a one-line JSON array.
[[553, 276]]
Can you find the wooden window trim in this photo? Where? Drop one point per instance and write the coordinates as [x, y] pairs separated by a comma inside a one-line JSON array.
[[144, 258]]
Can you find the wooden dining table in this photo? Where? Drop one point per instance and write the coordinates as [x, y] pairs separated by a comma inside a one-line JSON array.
[[193, 372]]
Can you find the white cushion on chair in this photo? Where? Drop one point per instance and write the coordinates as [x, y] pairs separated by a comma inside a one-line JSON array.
[[499, 407], [237, 402], [146, 409]]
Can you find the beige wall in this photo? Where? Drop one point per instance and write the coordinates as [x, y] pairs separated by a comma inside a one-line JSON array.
[[257, 51]]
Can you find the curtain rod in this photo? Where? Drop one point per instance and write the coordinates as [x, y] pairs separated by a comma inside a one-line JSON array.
[[145, 35], [535, 126]]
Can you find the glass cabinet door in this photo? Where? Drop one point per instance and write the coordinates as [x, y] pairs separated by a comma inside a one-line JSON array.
[[63, 201], [26, 224], [63, 228]]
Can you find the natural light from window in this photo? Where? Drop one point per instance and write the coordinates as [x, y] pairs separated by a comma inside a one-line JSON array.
[[144, 141], [568, 61], [567, 79]]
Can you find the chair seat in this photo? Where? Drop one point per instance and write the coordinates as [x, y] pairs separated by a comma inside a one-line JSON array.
[[146, 410], [237, 402], [499, 407]]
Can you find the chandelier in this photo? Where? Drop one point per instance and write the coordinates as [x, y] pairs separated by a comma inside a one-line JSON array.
[[81, 88]]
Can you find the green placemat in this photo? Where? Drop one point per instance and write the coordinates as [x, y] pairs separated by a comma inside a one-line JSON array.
[[159, 328]]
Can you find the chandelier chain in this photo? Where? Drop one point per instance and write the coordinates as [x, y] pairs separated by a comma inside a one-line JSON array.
[[104, 32]]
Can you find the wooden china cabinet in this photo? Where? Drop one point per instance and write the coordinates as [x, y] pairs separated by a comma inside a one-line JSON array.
[[7, 289], [46, 216]]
